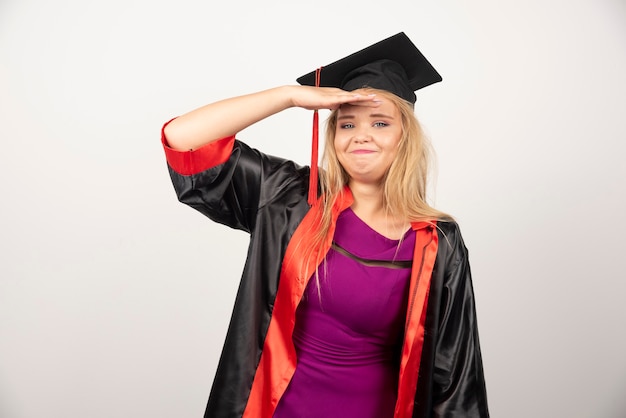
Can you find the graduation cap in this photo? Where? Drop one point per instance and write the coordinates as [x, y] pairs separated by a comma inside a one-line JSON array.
[[393, 64]]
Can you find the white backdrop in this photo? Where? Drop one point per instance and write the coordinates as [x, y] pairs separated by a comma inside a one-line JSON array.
[[114, 298]]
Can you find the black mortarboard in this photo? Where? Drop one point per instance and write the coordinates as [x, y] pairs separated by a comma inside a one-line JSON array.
[[393, 64]]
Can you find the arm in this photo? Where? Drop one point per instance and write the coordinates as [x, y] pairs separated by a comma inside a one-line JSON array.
[[223, 182], [227, 117]]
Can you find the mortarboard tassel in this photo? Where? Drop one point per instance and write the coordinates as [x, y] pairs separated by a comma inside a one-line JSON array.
[[314, 147]]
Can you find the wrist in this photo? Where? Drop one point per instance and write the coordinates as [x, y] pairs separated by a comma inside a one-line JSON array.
[[286, 96]]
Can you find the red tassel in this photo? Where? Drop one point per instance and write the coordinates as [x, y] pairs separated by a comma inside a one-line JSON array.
[[314, 147], [314, 158]]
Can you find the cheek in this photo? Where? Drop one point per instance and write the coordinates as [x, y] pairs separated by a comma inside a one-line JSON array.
[[396, 141], [339, 143], [393, 149], [337, 149]]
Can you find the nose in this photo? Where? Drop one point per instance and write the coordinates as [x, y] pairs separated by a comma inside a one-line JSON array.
[[361, 134]]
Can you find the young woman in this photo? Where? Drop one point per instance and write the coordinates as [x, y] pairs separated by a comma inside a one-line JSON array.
[[358, 303]]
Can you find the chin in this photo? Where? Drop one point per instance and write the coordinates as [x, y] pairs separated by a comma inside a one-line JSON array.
[[366, 178]]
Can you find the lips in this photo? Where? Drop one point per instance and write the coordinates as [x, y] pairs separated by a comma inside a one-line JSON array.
[[362, 151]]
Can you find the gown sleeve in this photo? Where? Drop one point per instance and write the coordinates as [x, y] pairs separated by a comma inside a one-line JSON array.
[[458, 377], [228, 181], [243, 188]]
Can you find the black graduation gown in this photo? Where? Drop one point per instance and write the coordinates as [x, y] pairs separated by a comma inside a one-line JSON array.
[[267, 197]]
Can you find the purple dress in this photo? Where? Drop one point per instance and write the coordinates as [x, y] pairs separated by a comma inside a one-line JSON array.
[[348, 337]]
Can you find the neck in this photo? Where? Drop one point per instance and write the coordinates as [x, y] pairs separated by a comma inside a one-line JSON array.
[[367, 198], [368, 206]]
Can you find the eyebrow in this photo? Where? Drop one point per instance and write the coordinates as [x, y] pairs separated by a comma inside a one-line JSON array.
[[372, 115]]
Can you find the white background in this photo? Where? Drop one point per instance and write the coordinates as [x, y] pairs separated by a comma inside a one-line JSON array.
[[114, 297]]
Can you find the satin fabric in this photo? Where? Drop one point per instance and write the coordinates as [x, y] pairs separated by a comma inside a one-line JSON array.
[[266, 196]]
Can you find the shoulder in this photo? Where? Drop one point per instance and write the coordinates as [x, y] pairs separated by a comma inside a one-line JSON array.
[[277, 174], [245, 151], [245, 154], [451, 247]]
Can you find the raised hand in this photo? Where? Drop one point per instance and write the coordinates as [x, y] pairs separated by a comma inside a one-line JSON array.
[[329, 97]]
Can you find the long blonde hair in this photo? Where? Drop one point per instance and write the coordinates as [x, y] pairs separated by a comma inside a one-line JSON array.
[[404, 184]]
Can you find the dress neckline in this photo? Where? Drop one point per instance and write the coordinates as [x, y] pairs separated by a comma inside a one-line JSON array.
[[349, 212]]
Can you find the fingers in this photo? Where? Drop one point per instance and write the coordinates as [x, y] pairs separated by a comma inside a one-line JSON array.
[[331, 98], [353, 99], [369, 100]]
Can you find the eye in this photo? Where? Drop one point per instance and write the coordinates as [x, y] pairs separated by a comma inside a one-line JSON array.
[[380, 124], [347, 125]]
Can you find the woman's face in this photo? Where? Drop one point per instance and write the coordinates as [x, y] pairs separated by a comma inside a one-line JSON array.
[[367, 139]]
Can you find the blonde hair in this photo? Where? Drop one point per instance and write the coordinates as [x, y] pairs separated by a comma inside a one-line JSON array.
[[404, 184]]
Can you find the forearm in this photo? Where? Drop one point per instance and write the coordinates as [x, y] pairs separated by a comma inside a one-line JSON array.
[[226, 117]]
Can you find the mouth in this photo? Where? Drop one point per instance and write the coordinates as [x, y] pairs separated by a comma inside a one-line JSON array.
[[362, 151]]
